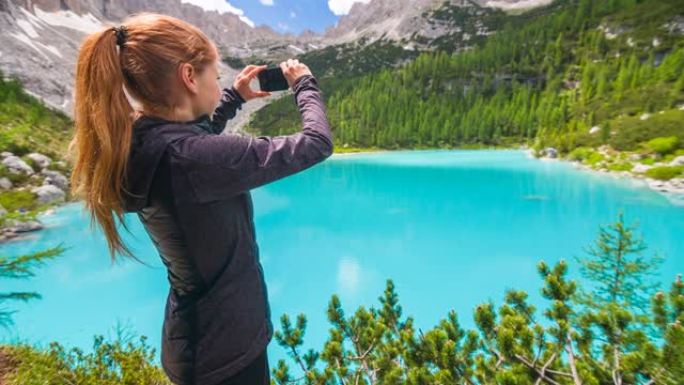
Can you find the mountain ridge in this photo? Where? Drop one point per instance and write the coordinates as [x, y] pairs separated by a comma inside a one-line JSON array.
[[42, 37]]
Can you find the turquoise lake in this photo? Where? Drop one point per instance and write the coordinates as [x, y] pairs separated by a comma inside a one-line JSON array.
[[453, 229]]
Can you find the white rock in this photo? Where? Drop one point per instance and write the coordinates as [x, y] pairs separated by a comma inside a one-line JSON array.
[[657, 184], [641, 168], [551, 152], [605, 149], [16, 165], [22, 227], [49, 193], [678, 161], [5, 154], [3, 211], [55, 178], [635, 157], [5, 183], [594, 130], [645, 116], [41, 160], [677, 183]]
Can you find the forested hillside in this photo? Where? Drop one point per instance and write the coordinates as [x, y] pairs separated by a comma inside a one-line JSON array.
[[548, 78]]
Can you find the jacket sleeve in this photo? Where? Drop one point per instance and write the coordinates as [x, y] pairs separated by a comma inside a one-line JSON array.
[[225, 165], [231, 101]]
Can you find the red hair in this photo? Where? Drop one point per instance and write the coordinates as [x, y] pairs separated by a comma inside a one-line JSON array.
[[146, 66]]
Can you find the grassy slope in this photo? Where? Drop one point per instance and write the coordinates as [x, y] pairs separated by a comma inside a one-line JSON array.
[[27, 125]]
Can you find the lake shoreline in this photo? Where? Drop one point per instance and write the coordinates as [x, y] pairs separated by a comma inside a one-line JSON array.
[[673, 189], [674, 193]]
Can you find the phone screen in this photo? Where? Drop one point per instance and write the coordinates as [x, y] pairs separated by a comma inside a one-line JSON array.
[[272, 79]]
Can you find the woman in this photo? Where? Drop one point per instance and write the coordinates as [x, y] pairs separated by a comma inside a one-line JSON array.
[[165, 161]]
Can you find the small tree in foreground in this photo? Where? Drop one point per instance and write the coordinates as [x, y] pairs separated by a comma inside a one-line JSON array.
[[22, 267], [566, 343]]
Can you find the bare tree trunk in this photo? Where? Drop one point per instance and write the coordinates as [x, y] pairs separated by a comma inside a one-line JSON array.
[[573, 365]]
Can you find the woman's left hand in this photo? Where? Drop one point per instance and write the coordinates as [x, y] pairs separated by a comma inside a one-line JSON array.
[[243, 79]]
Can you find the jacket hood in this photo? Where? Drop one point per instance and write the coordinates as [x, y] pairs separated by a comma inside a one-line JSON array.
[[147, 149]]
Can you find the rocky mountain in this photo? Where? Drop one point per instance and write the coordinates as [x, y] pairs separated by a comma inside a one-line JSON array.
[[41, 38], [404, 19]]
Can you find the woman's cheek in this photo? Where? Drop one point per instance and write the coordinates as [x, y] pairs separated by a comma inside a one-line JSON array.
[[213, 101]]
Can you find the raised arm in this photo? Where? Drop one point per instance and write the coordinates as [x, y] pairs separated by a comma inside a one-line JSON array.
[[224, 165], [231, 101]]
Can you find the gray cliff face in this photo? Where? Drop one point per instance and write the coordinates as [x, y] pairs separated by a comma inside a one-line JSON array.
[[405, 19], [41, 38], [393, 18]]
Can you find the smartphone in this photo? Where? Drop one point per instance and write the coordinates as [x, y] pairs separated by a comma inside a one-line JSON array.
[[272, 79]]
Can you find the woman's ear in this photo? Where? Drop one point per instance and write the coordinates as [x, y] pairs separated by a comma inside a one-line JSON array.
[[188, 77]]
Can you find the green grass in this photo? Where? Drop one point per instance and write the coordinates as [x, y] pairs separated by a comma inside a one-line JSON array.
[[16, 179], [18, 199], [112, 362], [665, 172], [631, 131], [347, 150], [21, 205], [27, 125], [620, 166], [662, 145]]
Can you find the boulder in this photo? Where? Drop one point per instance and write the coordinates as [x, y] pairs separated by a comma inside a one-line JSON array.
[[41, 160], [595, 130], [641, 168], [657, 184], [16, 165], [5, 154], [22, 227], [677, 183], [635, 157], [5, 183], [551, 152], [605, 149], [61, 164], [49, 193], [644, 116], [678, 161], [55, 178]]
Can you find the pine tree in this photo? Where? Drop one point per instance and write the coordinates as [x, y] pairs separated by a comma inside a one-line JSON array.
[[22, 267], [620, 273], [573, 344]]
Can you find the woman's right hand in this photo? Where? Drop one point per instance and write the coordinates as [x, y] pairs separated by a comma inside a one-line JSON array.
[[293, 70]]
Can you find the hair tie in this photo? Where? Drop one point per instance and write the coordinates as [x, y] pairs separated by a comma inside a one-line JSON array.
[[121, 35]]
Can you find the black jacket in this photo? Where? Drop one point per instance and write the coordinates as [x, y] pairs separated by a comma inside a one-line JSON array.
[[190, 185]]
